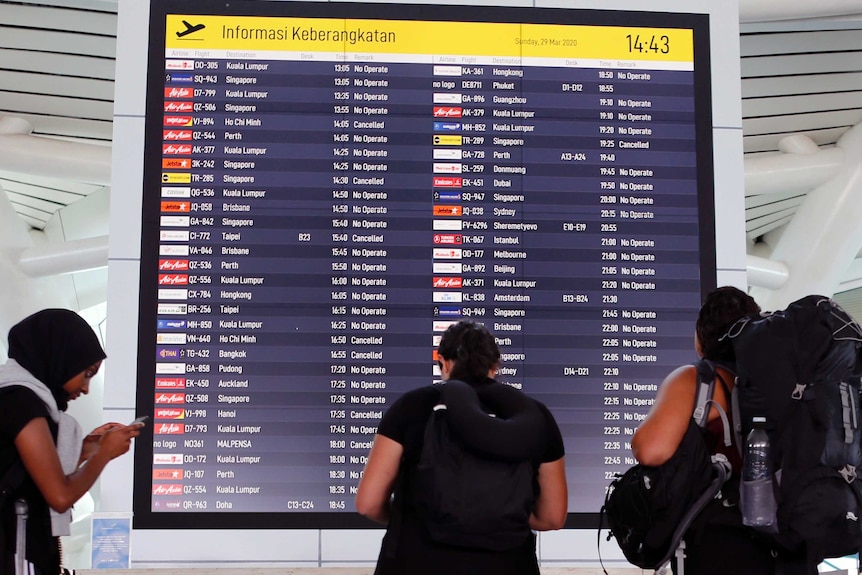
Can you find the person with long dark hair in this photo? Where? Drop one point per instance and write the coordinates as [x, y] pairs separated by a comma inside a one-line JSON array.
[[53, 355], [717, 542], [469, 353]]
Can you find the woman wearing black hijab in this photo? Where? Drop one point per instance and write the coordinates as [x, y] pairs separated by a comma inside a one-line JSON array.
[[53, 354]]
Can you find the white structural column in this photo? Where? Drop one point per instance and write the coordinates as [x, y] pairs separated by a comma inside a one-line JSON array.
[[22, 294], [824, 236], [801, 167], [764, 272], [28, 269], [20, 151], [68, 257]]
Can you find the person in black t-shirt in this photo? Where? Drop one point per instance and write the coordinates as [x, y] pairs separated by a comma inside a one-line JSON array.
[[53, 354], [467, 352]]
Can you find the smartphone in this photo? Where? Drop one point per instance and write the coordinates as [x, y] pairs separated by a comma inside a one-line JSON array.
[[140, 420]]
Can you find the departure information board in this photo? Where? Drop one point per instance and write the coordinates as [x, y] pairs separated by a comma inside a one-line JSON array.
[[329, 186]]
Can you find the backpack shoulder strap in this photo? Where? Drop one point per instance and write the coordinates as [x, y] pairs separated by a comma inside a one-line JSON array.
[[12, 480], [438, 390], [396, 503], [9, 483], [735, 412], [518, 430], [734, 426], [705, 390], [706, 376]]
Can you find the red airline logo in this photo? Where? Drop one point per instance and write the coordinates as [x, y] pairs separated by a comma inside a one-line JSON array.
[[179, 64], [447, 112], [169, 413], [176, 163], [179, 92], [176, 135], [167, 458], [176, 149], [167, 489], [175, 206], [170, 398], [168, 429], [442, 282], [447, 254], [179, 107], [178, 120], [447, 238], [173, 265], [173, 280], [445, 182], [170, 383]]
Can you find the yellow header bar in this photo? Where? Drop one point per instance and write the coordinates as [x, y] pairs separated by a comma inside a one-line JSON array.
[[428, 38]]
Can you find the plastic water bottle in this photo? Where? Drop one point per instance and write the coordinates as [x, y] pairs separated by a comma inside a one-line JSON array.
[[757, 500]]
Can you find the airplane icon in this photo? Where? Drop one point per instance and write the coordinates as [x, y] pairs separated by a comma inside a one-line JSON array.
[[189, 29]]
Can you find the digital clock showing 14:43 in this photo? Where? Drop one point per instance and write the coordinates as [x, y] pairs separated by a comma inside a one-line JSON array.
[[640, 44]]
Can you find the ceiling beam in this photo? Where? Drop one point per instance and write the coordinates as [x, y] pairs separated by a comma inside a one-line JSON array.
[[772, 10]]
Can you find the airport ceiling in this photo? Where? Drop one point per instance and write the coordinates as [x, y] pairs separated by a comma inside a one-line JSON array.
[[57, 72]]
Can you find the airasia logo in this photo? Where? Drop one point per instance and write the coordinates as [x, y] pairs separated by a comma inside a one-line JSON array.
[[179, 107], [448, 238], [170, 398], [447, 182], [447, 112], [176, 149], [170, 383], [173, 265], [173, 279], [168, 429], [178, 120], [443, 282], [176, 135], [179, 93], [169, 413], [167, 489]]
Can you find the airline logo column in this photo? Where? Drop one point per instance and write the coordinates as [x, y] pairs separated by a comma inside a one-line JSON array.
[[447, 239], [173, 291]]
